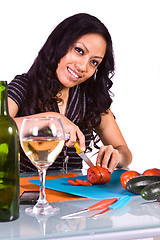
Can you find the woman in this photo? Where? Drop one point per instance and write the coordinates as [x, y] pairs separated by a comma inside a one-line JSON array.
[[71, 79]]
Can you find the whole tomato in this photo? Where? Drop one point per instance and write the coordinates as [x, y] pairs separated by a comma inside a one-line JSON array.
[[126, 176], [152, 171], [98, 175]]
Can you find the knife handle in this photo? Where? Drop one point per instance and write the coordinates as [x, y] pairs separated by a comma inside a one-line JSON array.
[[120, 202], [102, 204], [77, 147]]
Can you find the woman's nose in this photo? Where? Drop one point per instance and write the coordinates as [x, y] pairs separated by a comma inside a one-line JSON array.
[[82, 65]]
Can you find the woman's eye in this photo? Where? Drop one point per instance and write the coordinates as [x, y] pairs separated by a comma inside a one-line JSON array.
[[79, 50], [95, 63]]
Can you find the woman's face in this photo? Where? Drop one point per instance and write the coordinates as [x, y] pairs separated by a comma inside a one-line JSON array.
[[81, 60]]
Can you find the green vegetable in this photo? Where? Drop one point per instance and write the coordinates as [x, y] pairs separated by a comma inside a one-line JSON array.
[[136, 184], [151, 192]]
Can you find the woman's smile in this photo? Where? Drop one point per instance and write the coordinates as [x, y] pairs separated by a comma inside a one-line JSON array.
[[74, 74]]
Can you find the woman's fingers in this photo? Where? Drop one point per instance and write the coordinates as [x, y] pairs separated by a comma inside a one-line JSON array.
[[104, 155], [73, 134], [114, 160], [108, 157], [81, 140], [76, 135]]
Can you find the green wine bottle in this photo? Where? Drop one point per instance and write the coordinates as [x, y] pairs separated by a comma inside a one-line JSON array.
[[9, 161]]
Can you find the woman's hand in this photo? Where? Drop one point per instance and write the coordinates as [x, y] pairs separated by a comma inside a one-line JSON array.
[[108, 157], [111, 158], [74, 133]]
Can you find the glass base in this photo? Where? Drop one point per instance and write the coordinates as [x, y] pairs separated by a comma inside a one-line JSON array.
[[42, 209]]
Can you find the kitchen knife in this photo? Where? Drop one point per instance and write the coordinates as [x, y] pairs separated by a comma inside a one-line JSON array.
[[83, 155], [112, 203], [121, 202], [97, 206]]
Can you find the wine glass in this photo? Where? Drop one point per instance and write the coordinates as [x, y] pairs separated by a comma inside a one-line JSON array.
[[42, 139]]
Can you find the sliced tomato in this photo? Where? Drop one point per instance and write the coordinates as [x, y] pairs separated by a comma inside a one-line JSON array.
[[83, 182], [105, 175], [152, 171], [126, 176], [93, 175], [98, 175], [72, 182]]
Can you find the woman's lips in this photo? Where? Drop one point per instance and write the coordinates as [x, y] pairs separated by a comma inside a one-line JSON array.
[[74, 75]]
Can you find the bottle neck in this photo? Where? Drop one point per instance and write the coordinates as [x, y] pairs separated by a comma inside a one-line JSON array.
[[3, 98]]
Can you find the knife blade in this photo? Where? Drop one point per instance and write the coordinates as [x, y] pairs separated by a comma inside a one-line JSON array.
[[83, 155], [152, 201]]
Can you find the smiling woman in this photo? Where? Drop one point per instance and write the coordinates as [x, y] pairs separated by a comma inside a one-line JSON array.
[[71, 79]]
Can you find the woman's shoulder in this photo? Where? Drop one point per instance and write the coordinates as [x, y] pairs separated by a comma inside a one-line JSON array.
[[23, 78], [18, 87], [20, 83]]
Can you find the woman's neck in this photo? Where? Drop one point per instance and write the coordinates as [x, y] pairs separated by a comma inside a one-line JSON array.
[[64, 95]]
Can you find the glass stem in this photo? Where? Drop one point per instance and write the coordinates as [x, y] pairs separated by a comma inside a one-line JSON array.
[[42, 195]]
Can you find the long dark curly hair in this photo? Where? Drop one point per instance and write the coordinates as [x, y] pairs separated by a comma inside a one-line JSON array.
[[44, 84]]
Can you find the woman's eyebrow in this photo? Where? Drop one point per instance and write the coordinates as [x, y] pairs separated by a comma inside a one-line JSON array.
[[88, 50]]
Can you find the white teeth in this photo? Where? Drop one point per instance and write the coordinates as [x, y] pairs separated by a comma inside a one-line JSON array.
[[73, 73]]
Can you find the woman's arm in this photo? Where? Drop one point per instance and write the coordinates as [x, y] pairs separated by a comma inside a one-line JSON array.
[[115, 152], [69, 127]]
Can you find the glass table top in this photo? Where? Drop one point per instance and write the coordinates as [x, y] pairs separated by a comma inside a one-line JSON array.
[[134, 220]]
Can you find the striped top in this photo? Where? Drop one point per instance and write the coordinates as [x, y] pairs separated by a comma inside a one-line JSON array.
[[17, 91]]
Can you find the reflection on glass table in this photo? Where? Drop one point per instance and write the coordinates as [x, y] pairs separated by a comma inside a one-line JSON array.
[[132, 221]]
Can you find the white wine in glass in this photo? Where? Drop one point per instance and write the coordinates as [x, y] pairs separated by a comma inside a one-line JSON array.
[[42, 139]]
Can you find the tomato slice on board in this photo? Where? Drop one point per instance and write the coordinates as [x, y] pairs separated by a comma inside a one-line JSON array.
[[72, 182], [79, 182], [98, 175], [126, 176], [152, 171], [83, 182]]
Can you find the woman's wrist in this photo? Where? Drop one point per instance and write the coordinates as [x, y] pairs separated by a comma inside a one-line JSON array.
[[125, 156]]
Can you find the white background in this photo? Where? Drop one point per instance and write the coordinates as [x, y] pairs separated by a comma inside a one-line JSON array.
[[135, 29]]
